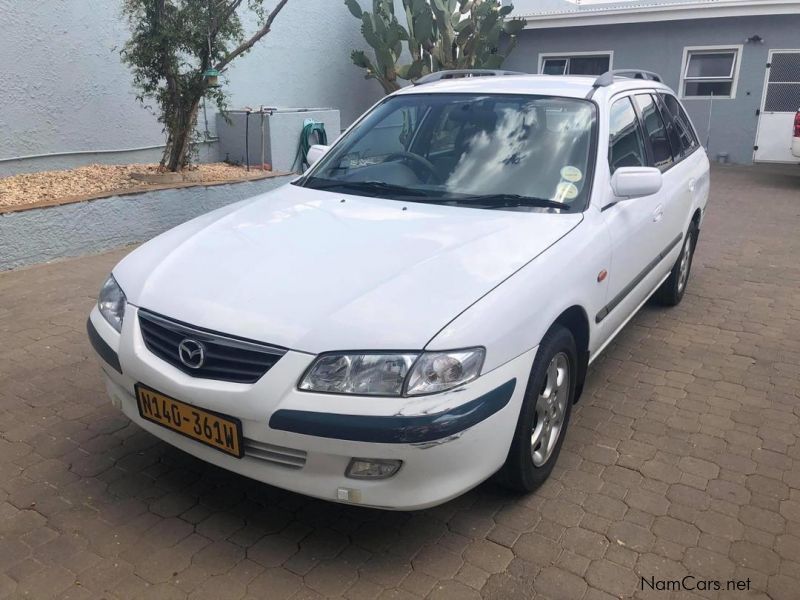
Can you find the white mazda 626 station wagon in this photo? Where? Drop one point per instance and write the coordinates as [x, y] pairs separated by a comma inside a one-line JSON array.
[[417, 312]]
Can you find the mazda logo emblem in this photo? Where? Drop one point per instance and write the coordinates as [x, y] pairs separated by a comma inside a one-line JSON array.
[[192, 353]]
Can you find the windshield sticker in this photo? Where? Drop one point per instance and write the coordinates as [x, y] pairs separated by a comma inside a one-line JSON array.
[[565, 191], [570, 173]]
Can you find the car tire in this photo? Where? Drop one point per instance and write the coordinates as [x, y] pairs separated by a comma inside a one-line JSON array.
[[547, 405], [674, 287]]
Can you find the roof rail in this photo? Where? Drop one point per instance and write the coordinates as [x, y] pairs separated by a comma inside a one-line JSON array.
[[607, 78], [457, 73]]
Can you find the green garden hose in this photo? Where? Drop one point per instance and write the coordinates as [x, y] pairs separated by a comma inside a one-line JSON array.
[[311, 128]]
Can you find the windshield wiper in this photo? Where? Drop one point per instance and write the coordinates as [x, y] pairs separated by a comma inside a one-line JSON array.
[[510, 201], [433, 197], [365, 186]]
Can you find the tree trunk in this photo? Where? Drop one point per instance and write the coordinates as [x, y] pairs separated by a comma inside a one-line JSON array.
[[179, 141], [389, 86]]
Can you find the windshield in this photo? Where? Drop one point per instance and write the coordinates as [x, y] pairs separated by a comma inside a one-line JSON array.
[[518, 152]]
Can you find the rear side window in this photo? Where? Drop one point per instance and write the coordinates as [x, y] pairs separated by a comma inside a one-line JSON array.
[[625, 143], [672, 130], [656, 131], [686, 135]]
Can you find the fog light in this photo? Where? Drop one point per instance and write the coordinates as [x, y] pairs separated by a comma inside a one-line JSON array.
[[348, 495], [372, 468]]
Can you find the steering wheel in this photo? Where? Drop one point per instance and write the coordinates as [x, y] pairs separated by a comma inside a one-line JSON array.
[[417, 159]]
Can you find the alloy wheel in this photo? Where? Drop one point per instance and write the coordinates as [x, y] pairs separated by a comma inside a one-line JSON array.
[[686, 261], [551, 407]]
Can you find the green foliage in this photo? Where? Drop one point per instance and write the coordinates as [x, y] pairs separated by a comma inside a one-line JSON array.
[[438, 34], [384, 34], [172, 44]]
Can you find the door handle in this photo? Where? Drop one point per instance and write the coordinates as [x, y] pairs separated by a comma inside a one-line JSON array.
[[692, 184], [658, 214]]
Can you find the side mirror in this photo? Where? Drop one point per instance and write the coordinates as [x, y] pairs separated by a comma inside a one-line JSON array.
[[316, 152], [635, 182]]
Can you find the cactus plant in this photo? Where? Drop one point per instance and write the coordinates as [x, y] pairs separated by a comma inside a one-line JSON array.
[[439, 34], [468, 34], [384, 34]]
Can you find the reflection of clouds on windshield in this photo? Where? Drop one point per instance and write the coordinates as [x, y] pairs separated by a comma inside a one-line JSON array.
[[524, 153], [491, 153]]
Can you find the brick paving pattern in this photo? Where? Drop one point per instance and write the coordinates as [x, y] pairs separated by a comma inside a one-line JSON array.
[[682, 458]]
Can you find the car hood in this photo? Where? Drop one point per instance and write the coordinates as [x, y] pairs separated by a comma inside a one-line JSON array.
[[315, 271]]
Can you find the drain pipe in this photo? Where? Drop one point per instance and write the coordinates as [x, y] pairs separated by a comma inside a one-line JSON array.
[[85, 152], [247, 110], [708, 130], [80, 152], [261, 110]]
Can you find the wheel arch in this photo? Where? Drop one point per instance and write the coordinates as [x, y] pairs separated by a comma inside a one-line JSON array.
[[576, 321]]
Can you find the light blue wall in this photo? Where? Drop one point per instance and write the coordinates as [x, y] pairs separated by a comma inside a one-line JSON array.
[[43, 234], [659, 47], [64, 88]]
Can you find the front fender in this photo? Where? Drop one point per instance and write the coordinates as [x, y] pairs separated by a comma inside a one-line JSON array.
[[514, 316]]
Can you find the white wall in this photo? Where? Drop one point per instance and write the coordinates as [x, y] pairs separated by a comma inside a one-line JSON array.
[[64, 88], [305, 62]]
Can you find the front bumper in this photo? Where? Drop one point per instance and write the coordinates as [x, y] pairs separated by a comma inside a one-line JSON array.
[[303, 441]]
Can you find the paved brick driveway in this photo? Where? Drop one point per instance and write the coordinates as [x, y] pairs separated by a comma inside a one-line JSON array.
[[683, 458]]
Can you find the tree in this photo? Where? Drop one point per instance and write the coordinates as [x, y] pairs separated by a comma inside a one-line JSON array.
[[175, 49], [439, 34], [383, 32]]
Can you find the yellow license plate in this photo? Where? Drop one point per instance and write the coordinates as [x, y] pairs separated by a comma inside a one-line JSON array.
[[212, 429]]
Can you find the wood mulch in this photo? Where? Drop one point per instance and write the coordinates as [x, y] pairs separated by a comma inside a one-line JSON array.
[[27, 190]]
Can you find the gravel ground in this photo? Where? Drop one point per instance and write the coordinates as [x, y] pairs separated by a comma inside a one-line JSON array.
[[47, 186]]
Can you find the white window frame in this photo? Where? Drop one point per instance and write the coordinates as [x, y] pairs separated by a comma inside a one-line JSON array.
[[734, 78], [568, 55]]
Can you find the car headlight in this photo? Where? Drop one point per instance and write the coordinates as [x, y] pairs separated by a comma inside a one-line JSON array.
[[111, 303], [439, 371], [363, 374], [392, 374]]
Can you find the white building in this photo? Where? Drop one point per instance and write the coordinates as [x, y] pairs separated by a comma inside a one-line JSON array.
[[67, 98]]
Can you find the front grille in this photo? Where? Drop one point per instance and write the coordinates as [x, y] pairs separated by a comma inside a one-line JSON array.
[[278, 455], [225, 358]]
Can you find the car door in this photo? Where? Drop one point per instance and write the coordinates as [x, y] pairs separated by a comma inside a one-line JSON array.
[[691, 169], [634, 226], [676, 192]]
